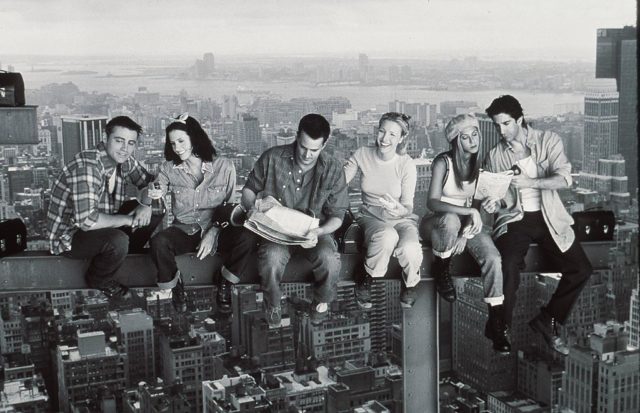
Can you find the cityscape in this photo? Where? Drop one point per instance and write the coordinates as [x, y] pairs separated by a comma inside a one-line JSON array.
[[75, 351]]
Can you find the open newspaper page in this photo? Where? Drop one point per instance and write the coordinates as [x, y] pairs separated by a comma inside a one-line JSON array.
[[492, 185], [280, 224]]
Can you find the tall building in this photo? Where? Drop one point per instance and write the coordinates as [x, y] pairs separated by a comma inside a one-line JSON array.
[[229, 107], [604, 377], [79, 133], [135, 330], [20, 177], [84, 369], [601, 104], [209, 63], [338, 339], [616, 58], [363, 67], [474, 360], [489, 133], [181, 357], [247, 134], [633, 325]]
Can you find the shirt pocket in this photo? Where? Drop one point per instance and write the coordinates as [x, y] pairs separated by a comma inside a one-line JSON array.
[[181, 198], [213, 196]]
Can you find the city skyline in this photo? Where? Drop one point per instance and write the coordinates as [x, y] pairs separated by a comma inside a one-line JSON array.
[[494, 29]]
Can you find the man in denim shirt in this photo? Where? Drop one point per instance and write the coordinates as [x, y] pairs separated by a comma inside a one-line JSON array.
[[533, 212], [301, 176]]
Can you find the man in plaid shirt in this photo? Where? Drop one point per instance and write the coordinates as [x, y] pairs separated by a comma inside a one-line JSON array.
[[302, 177], [88, 217]]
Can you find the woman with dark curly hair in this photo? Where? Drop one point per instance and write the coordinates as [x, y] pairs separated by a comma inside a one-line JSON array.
[[199, 181]]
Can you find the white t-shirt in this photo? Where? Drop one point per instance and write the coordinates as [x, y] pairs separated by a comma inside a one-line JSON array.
[[396, 177], [530, 196]]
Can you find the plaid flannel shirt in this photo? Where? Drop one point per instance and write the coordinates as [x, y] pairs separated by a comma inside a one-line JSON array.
[[273, 174], [80, 193]]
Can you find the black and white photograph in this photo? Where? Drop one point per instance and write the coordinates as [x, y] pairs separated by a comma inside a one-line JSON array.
[[303, 206]]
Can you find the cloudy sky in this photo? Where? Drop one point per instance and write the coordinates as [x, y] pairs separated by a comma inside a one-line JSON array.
[[548, 29]]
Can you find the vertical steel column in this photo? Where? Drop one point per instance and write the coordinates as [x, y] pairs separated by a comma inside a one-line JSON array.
[[420, 367]]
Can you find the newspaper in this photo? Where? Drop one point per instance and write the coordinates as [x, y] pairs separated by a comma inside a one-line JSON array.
[[492, 185], [280, 224]]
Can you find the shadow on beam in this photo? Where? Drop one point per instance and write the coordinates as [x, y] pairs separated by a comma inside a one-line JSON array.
[[38, 271]]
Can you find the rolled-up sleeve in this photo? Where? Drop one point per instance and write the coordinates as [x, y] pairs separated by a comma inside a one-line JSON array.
[[351, 167], [257, 177], [558, 162], [85, 185], [337, 202]]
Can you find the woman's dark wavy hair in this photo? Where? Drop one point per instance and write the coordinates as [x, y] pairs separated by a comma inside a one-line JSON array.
[[202, 146]]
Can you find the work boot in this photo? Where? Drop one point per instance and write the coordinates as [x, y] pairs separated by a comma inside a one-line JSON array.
[[363, 292], [442, 276], [113, 290], [179, 296], [546, 325], [496, 330], [223, 296]]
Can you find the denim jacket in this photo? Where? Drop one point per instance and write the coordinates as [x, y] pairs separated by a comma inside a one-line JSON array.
[[192, 204], [547, 151]]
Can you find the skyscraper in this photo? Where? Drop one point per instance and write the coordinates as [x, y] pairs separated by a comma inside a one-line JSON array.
[[135, 330], [604, 377], [79, 133], [600, 123], [634, 319], [247, 134], [616, 58], [82, 370]]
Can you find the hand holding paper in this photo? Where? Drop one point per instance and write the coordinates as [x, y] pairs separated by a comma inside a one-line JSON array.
[[492, 185]]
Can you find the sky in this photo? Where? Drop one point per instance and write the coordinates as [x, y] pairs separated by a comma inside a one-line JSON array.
[[511, 29]]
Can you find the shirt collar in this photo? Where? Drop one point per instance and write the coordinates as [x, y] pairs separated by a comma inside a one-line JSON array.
[[530, 141], [206, 166], [107, 162]]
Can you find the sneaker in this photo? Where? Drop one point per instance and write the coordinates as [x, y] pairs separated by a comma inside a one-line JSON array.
[[319, 313], [223, 296], [363, 292], [408, 297], [273, 315], [179, 297], [547, 327], [113, 290]]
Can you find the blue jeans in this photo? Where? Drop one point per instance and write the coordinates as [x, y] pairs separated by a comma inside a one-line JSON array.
[[325, 265], [443, 229]]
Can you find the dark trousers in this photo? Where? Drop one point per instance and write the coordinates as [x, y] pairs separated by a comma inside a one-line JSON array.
[[573, 264], [107, 248], [236, 245]]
